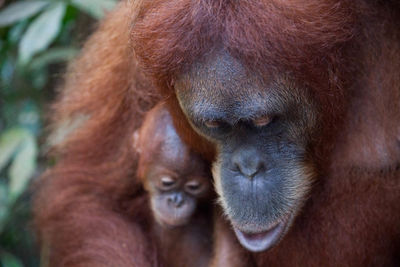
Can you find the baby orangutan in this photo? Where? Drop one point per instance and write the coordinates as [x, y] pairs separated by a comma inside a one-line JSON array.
[[178, 183]]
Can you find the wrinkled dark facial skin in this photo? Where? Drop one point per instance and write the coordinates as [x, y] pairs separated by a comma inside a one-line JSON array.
[[261, 127], [176, 178]]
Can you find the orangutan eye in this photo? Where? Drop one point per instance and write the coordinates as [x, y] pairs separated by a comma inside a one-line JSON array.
[[212, 124], [262, 121], [167, 182], [193, 186]]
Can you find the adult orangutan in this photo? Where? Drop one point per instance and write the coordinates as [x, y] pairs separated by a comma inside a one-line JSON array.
[[295, 103]]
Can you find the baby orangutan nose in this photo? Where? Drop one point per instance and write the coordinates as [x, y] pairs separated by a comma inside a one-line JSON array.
[[176, 200]]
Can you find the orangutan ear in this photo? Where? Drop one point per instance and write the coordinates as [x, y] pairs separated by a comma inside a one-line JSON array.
[[136, 136]]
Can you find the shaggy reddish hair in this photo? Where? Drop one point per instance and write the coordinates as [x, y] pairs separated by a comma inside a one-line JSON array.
[[90, 209], [305, 39]]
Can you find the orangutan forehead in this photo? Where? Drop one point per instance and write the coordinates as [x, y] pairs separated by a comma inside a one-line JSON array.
[[172, 35], [215, 84], [223, 76]]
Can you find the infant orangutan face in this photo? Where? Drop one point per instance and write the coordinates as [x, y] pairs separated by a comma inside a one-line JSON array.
[[174, 195], [175, 177]]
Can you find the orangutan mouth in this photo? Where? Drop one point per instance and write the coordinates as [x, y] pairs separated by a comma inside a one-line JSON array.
[[261, 241]]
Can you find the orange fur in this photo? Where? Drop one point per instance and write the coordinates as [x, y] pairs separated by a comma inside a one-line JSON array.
[[90, 209]]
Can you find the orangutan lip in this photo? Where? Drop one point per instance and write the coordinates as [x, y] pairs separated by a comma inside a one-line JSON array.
[[257, 242]]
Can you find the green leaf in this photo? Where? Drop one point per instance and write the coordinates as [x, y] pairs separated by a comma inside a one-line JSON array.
[[6, 73], [9, 142], [41, 32], [55, 55], [9, 260], [95, 8], [16, 31], [28, 117], [4, 208], [20, 10], [22, 167]]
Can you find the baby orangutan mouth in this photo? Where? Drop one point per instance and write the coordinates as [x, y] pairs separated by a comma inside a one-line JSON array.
[[263, 240]]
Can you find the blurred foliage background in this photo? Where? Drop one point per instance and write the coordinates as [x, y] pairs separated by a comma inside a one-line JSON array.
[[37, 38]]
